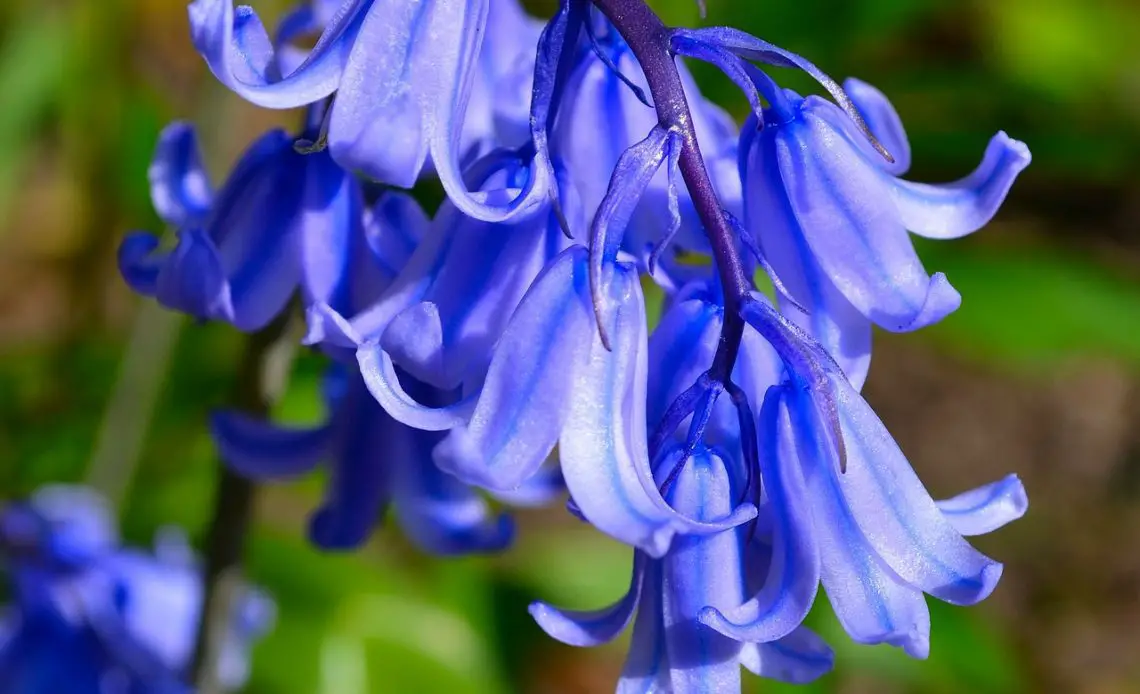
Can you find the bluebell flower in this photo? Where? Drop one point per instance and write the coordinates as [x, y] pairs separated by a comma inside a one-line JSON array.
[[402, 71], [672, 650], [847, 511], [282, 221], [92, 617], [552, 381], [373, 462], [450, 302], [832, 216]]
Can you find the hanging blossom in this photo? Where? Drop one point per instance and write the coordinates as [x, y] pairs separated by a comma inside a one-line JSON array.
[[374, 460], [402, 72], [282, 221], [832, 214], [90, 616]]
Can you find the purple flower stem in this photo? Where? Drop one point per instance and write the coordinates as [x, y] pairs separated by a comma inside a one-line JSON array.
[[649, 39]]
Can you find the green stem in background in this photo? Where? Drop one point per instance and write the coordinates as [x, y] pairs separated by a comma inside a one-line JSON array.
[[262, 376]]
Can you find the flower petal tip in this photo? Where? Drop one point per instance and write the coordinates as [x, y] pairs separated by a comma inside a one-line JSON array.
[[942, 299]]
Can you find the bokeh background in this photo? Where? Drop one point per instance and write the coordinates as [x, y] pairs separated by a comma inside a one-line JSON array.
[[1038, 373]]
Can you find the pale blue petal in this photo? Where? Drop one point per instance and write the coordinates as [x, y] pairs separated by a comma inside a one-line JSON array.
[[526, 397], [792, 578], [261, 450], [179, 185], [898, 517], [843, 207], [647, 665], [702, 572], [593, 627], [831, 319], [330, 232], [376, 124], [985, 509], [603, 447], [239, 53], [384, 383], [872, 603], [798, 658], [955, 209]]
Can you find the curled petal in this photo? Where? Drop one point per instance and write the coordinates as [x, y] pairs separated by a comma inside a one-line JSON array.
[[139, 264], [527, 393], [593, 627], [798, 658], [258, 449], [240, 55], [179, 186], [384, 383], [987, 508], [192, 280], [792, 578], [955, 209], [898, 517], [883, 121]]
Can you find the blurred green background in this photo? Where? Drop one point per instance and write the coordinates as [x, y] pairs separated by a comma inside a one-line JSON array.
[[1038, 373]]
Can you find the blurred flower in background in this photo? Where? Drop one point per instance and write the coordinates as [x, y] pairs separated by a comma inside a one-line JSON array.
[[91, 616]]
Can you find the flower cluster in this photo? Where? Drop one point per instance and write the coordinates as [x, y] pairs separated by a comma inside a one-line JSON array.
[[501, 345], [90, 616]]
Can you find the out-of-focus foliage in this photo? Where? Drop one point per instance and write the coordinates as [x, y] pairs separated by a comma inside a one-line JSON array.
[[1053, 287]]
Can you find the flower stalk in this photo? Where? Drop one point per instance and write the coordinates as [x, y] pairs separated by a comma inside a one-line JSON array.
[[650, 40]]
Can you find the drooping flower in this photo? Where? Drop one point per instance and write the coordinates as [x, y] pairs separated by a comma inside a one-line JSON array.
[[374, 462], [672, 650], [282, 221], [402, 71], [848, 512], [89, 615], [832, 216], [451, 301]]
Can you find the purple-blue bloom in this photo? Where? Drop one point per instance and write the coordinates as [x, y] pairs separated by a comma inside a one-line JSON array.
[[282, 221], [402, 72], [92, 617], [374, 462], [672, 650], [832, 216]]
